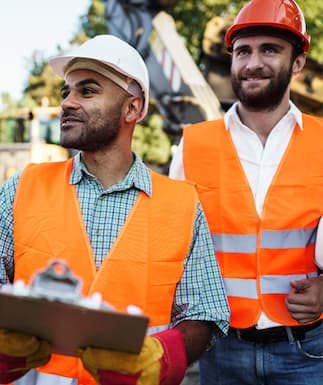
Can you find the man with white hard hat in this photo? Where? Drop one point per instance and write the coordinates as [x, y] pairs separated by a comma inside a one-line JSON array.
[[114, 59], [133, 235], [259, 174]]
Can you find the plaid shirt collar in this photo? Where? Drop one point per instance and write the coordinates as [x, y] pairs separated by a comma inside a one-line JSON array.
[[138, 176]]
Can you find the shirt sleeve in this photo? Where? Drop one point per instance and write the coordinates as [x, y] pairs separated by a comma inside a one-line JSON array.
[[200, 294], [176, 168], [7, 195]]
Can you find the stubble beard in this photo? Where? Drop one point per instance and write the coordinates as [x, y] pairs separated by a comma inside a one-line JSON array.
[[97, 133], [267, 98]]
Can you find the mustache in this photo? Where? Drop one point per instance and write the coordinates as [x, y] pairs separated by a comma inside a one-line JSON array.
[[257, 73], [71, 115]]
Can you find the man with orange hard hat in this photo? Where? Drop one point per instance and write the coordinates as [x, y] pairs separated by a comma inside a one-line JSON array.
[[259, 173]]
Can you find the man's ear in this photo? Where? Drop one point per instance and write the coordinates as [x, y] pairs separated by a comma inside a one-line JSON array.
[[299, 63], [133, 108]]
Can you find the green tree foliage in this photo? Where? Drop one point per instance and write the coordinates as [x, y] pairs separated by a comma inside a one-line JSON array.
[[191, 18], [150, 141], [313, 11], [43, 82], [92, 24]]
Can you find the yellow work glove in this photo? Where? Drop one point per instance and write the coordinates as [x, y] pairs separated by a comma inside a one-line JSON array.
[[162, 361], [20, 352]]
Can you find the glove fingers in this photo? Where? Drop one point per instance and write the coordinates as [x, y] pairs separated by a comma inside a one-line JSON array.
[[151, 374], [41, 356], [17, 344], [10, 364], [94, 359]]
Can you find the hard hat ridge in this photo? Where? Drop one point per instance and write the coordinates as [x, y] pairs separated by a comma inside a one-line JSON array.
[[128, 84], [277, 14], [125, 63]]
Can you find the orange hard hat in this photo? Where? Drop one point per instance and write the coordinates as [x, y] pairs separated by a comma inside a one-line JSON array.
[[280, 14]]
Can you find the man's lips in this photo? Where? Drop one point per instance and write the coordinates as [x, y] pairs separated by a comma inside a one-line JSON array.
[[254, 80], [254, 77], [68, 121]]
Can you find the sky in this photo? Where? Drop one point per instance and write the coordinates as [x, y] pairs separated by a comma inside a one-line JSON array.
[[33, 25]]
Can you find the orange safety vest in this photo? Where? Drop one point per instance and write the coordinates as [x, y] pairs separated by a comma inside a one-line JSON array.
[[143, 266], [258, 257]]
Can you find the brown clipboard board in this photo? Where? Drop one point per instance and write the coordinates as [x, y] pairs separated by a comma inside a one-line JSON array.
[[69, 327]]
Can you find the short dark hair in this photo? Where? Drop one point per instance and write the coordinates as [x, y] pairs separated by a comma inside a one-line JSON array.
[[282, 33]]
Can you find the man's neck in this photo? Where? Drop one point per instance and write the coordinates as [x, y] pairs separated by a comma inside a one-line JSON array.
[[262, 122], [108, 167]]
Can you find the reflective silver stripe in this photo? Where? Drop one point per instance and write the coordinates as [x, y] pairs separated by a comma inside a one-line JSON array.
[[279, 284], [156, 329], [269, 284], [244, 288], [287, 239], [37, 378], [270, 239], [235, 243]]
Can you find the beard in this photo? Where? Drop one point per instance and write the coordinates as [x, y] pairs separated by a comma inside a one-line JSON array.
[[94, 131], [267, 98]]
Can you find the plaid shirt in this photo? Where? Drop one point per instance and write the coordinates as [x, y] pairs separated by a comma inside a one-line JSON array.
[[199, 295]]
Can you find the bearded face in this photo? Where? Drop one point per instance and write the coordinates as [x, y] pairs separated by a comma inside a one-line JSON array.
[[266, 98], [92, 130], [261, 71]]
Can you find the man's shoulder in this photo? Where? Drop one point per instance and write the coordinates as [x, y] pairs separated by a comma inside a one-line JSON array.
[[166, 180], [175, 188], [43, 174], [312, 120], [45, 168], [205, 124]]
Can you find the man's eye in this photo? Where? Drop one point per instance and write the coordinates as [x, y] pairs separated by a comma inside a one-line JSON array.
[[269, 50], [64, 94], [87, 91], [242, 52]]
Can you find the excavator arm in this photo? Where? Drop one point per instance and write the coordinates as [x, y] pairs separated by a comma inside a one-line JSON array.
[[178, 88]]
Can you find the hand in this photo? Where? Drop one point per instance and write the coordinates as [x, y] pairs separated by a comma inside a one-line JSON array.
[[305, 299], [162, 361], [19, 353]]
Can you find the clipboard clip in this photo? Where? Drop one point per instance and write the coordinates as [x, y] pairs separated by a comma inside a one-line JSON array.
[[57, 283]]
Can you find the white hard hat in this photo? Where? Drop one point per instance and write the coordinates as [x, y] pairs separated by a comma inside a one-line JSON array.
[[114, 53]]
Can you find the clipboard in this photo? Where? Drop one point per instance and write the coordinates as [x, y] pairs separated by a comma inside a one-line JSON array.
[[70, 326]]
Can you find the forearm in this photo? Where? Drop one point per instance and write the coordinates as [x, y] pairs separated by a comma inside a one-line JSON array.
[[196, 336]]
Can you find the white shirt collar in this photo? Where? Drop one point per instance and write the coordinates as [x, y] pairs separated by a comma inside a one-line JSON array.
[[231, 117]]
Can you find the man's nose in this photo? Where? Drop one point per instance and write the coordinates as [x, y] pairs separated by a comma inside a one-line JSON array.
[[70, 101]]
